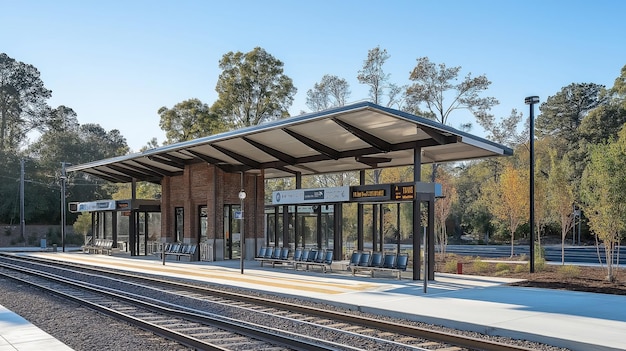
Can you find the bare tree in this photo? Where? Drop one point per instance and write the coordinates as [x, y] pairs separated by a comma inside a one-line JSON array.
[[332, 91]]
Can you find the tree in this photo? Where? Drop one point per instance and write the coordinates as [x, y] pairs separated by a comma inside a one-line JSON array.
[[508, 200], [563, 113], [252, 89], [435, 85], [443, 208], [603, 192], [373, 75], [22, 101], [188, 120], [561, 197], [435, 88], [332, 91]]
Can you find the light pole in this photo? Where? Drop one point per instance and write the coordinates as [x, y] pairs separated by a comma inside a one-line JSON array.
[[63, 180], [242, 240], [532, 100]]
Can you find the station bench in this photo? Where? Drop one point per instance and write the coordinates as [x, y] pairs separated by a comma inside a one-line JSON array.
[[99, 246], [361, 261], [306, 258], [178, 250]]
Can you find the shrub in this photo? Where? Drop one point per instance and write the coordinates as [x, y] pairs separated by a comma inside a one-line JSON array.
[[502, 268], [540, 265], [568, 271], [520, 268], [450, 266], [480, 266]]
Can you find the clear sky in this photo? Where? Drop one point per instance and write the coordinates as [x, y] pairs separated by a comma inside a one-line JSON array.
[[117, 62]]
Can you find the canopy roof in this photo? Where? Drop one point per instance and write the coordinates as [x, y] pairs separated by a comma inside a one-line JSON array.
[[348, 138]]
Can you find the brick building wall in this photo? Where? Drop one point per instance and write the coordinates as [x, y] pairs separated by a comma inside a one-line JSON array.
[[206, 185]]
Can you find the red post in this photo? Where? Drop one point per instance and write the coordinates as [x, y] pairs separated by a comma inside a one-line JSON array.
[[459, 268]]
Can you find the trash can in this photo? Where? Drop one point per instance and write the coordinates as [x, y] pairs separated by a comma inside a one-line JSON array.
[[54, 247]]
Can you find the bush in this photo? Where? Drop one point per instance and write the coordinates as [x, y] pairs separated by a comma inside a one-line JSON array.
[[521, 268], [480, 266], [450, 266], [540, 265], [502, 268], [568, 271]]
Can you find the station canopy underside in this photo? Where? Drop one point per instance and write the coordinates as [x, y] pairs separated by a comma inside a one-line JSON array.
[[348, 138]]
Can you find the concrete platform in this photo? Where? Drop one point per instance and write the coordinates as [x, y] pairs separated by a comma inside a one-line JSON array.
[[17, 334], [574, 320]]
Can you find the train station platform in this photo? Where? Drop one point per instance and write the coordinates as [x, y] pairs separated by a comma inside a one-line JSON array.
[[573, 320], [17, 334]]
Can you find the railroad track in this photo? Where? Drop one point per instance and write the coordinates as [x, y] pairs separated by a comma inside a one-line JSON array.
[[265, 315]]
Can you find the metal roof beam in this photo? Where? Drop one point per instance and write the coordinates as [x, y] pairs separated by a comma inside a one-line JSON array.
[[117, 178], [134, 173], [156, 170], [101, 176], [271, 151], [372, 161], [166, 161], [239, 157], [437, 136], [376, 142], [205, 158], [321, 148]]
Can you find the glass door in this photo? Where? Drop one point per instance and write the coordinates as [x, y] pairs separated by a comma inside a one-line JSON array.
[[232, 232]]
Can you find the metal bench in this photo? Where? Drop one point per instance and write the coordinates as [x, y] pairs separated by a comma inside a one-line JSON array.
[[99, 246], [377, 262]]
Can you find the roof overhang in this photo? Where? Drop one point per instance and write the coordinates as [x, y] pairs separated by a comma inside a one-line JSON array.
[[348, 138]]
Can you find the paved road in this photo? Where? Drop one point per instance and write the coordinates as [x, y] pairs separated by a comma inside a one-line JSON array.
[[573, 254]]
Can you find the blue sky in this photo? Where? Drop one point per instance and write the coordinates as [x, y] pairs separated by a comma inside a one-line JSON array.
[[117, 62]]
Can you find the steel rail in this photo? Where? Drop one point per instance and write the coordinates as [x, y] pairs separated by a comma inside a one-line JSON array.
[[249, 330], [413, 331]]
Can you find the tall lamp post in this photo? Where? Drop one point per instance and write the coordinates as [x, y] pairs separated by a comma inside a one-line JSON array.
[[532, 100], [242, 240], [63, 220]]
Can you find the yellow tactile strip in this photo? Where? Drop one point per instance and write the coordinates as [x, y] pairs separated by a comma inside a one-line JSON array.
[[222, 275]]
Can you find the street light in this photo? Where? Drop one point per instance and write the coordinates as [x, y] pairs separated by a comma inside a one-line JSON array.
[[242, 240], [532, 100], [63, 219]]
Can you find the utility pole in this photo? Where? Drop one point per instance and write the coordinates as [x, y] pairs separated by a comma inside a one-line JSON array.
[[22, 220], [63, 179]]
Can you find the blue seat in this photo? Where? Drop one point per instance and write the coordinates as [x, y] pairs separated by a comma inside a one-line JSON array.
[[297, 255], [355, 258], [312, 255], [328, 257], [402, 262], [261, 252], [284, 254], [377, 259], [268, 252], [305, 255], [276, 253], [389, 261], [364, 261]]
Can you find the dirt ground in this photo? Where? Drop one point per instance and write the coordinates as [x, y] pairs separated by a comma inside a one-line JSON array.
[[548, 276]]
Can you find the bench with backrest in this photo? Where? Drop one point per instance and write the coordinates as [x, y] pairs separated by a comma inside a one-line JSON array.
[[178, 250], [379, 262], [317, 258], [273, 255], [99, 246]]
